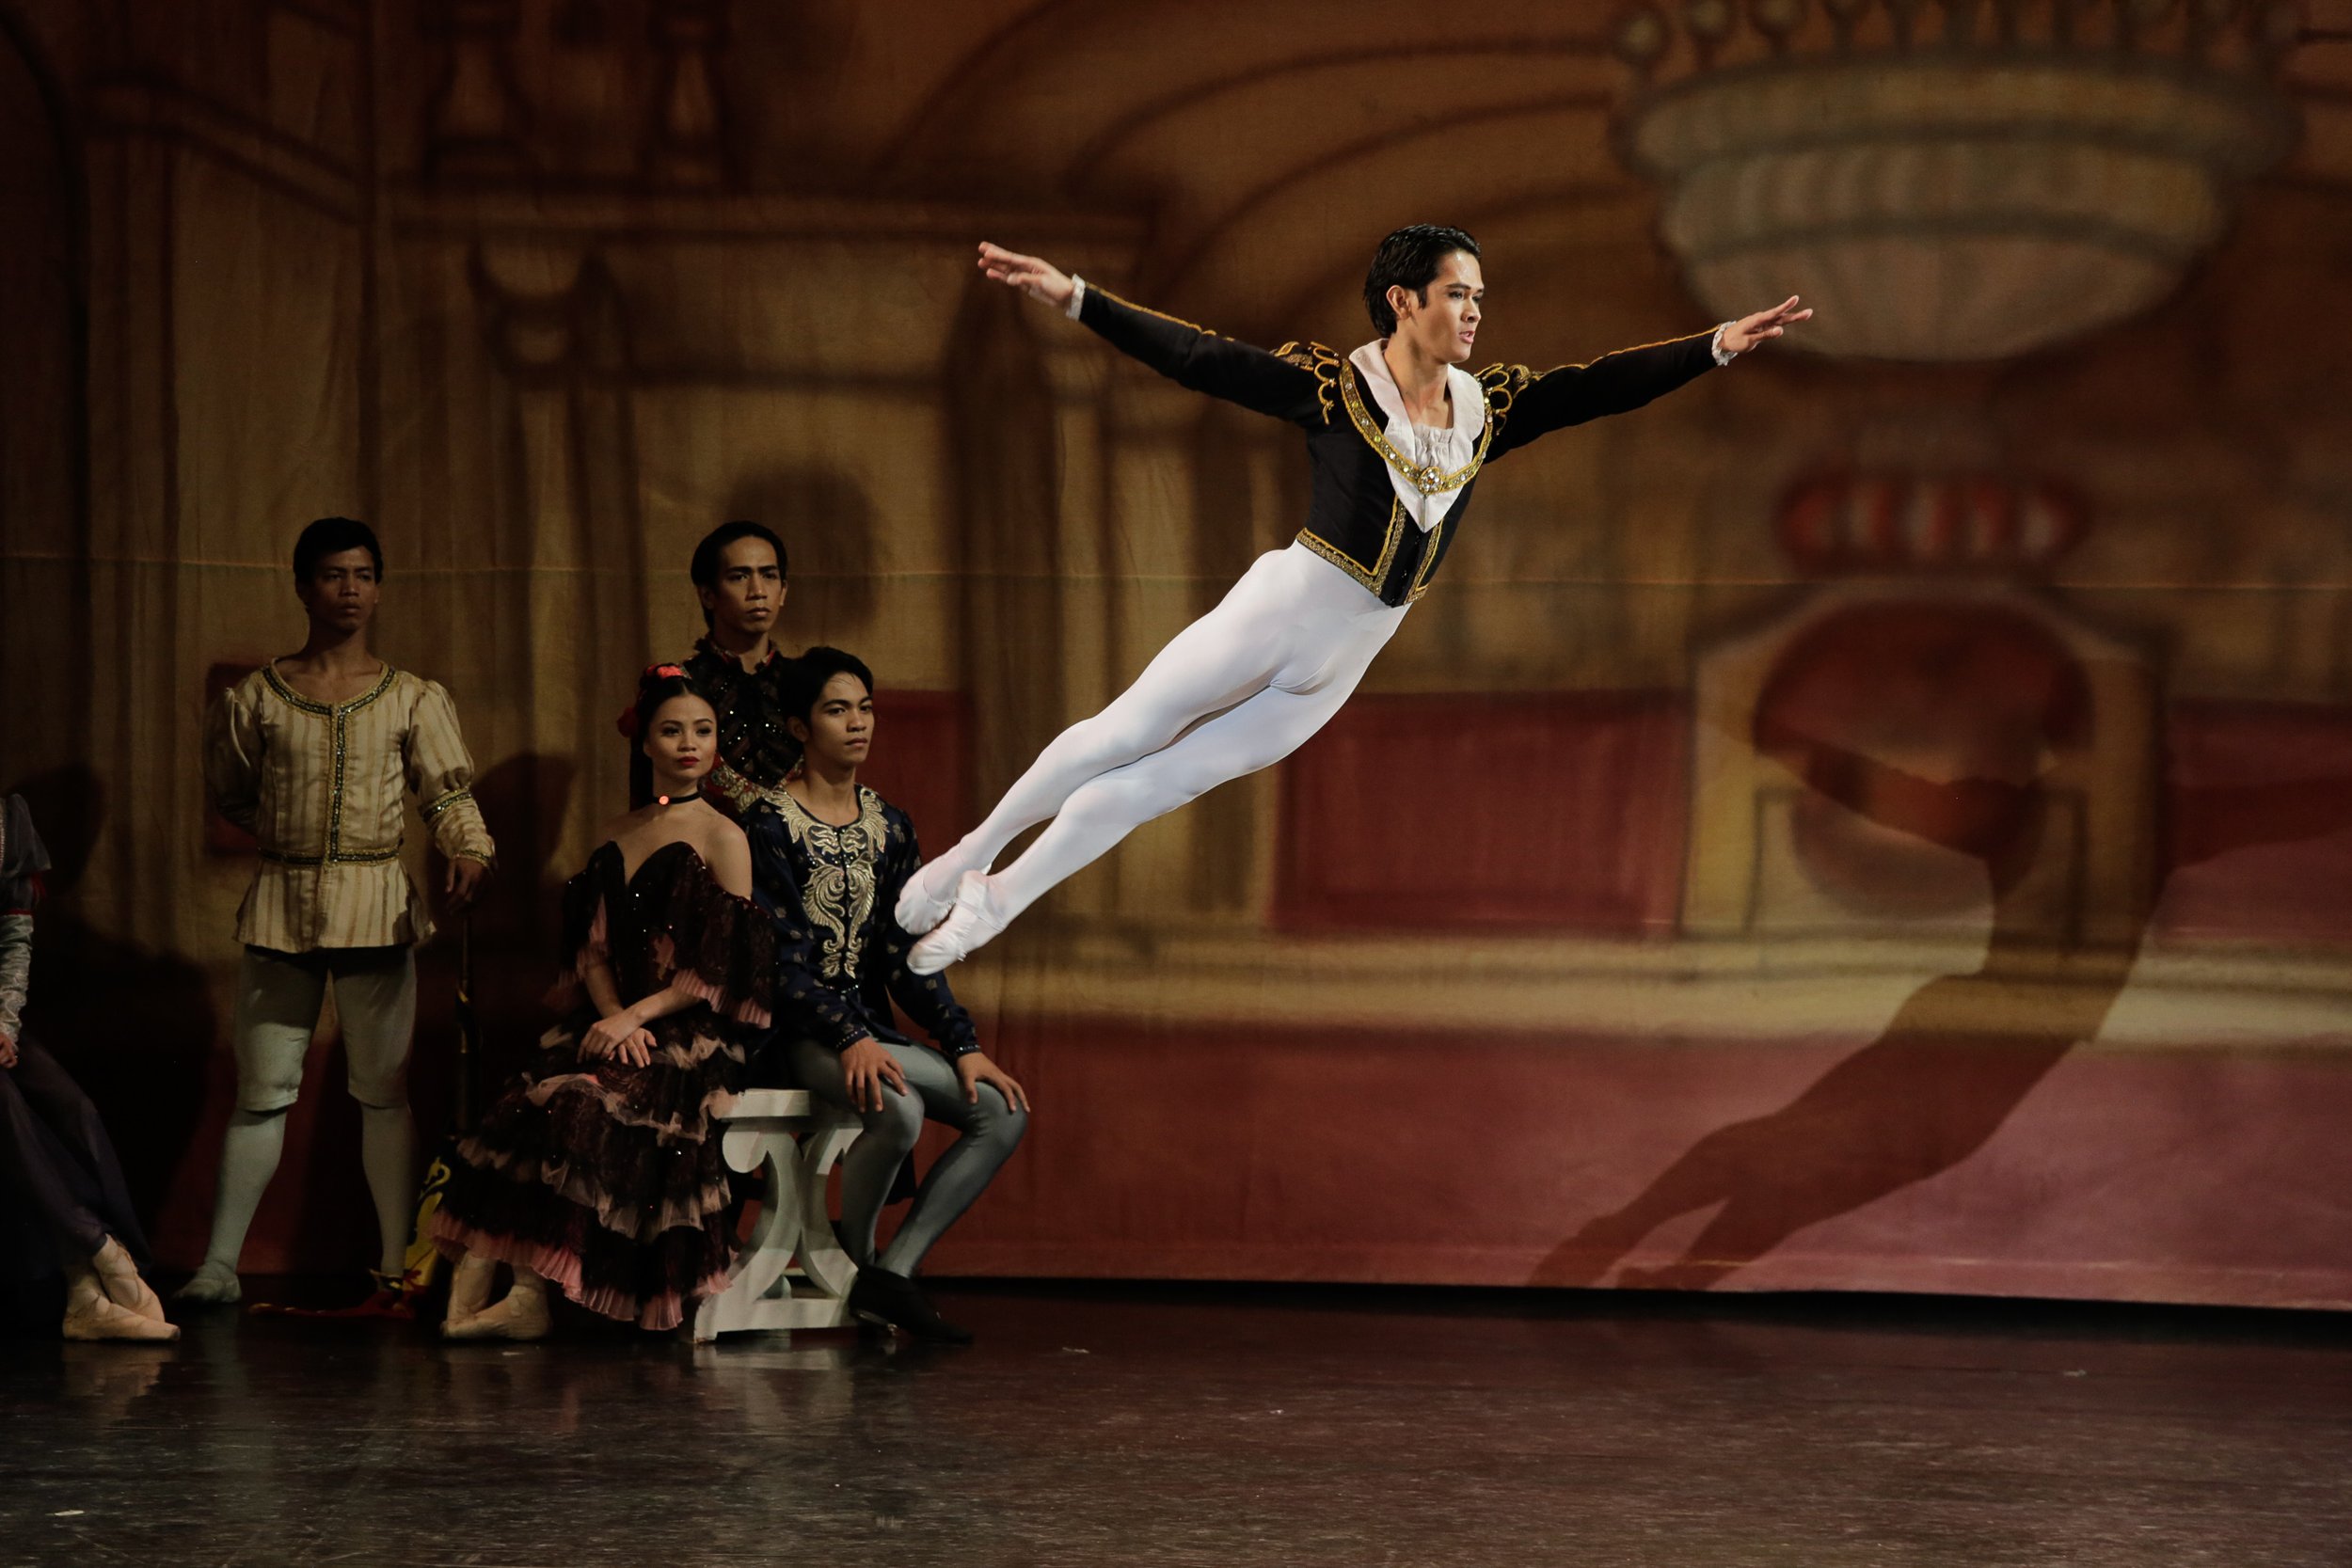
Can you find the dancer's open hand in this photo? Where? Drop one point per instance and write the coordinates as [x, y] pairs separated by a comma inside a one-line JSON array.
[[1763, 327], [8, 1050], [1036, 278], [868, 1067], [975, 1068], [619, 1035]]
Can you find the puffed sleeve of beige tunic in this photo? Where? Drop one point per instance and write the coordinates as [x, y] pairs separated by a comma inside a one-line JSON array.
[[232, 755], [440, 775]]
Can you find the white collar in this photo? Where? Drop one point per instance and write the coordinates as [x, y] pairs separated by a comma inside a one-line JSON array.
[[1456, 444]]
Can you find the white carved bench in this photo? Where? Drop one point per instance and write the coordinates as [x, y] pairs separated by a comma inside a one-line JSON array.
[[792, 1272]]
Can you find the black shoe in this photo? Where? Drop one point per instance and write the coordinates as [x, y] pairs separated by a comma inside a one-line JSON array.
[[891, 1300]]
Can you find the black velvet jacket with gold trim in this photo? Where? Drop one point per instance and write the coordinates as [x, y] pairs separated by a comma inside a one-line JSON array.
[[841, 956], [1354, 518]]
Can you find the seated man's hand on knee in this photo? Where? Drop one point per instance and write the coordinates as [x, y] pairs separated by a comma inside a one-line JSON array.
[[866, 1067], [975, 1068]]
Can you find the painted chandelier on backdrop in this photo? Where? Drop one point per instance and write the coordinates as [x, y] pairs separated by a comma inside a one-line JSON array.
[[1960, 179]]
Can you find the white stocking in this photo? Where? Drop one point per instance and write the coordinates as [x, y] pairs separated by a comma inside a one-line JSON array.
[[1238, 689], [248, 1158], [388, 1152]]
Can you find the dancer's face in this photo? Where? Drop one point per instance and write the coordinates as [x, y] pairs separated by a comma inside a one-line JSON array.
[[840, 726], [341, 593], [1444, 324], [749, 596], [682, 742]]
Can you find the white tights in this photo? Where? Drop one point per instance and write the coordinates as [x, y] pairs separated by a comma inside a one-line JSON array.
[[1239, 689]]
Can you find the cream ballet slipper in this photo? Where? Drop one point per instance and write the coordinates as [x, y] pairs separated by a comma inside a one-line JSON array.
[[89, 1314], [469, 1288], [522, 1315], [119, 1277]]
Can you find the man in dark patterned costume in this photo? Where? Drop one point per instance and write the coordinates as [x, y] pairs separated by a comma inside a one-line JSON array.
[[740, 573]]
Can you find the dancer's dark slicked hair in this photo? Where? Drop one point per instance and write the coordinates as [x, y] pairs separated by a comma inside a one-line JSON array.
[[1409, 259], [810, 672], [332, 537]]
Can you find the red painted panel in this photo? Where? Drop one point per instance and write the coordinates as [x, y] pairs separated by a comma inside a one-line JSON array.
[[2259, 830], [2189, 1172], [922, 761], [1562, 810]]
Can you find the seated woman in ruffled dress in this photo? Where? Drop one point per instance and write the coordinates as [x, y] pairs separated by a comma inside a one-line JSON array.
[[600, 1172]]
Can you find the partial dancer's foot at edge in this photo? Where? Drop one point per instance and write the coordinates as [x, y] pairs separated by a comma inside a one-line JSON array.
[[214, 1284], [969, 927]]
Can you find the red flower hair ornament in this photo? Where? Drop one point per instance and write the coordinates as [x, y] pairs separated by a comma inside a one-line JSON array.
[[627, 722]]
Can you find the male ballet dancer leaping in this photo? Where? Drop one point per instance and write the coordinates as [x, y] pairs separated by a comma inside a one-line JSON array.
[[1397, 431]]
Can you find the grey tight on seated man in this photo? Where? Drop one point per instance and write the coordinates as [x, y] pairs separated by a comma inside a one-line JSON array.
[[988, 1131]]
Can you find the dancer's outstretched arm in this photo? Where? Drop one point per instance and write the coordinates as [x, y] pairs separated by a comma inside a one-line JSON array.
[[1528, 403], [1286, 385]]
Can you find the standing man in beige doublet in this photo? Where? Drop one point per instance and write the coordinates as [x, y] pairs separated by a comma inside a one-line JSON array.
[[312, 754]]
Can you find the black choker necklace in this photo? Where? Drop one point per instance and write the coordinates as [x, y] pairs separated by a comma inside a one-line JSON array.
[[676, 800]]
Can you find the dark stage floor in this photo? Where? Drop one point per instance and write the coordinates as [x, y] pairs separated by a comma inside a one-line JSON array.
[[1174, 1425]]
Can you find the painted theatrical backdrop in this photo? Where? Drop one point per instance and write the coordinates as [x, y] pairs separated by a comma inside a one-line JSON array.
[[1880, 820]]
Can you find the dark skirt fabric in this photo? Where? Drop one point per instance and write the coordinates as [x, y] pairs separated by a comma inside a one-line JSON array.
[[61, 1188], [605, 1177]]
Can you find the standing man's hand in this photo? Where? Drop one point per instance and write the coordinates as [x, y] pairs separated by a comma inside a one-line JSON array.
[[1038, 278], [975, 1068], [868, 1067], [464, 882], [1763, 327]]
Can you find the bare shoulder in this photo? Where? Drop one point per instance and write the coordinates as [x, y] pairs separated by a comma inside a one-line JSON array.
[[726, 851], [713, 833]]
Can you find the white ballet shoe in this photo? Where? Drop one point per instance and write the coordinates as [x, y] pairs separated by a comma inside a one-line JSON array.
[[213, 1284], [120, 1278], [90, 1314], [928, 898], [969, 928]]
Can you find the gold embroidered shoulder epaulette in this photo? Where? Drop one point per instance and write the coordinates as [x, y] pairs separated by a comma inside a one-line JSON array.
[[740, 792], [1503, 384], [1324, 362]]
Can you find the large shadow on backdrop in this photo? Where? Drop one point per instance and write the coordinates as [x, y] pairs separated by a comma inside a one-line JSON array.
[[133, 1026], [1963, 1051]]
